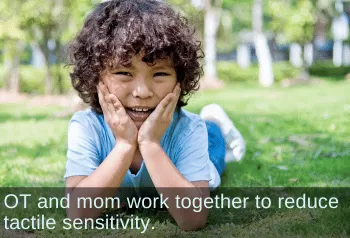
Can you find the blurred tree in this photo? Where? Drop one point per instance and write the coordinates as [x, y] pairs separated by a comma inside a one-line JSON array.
[[293, 21], [212, 10], [12, 37], [205, 14], [211, 18], [324, 12], [231, 20], [45, 22], [78, 10], [266, 77], [234, 19]]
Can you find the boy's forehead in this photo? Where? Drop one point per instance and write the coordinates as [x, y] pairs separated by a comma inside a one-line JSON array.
[[141, 58], [163, 62]]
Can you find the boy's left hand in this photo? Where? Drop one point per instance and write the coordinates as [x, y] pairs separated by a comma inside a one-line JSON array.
[[158, 122]]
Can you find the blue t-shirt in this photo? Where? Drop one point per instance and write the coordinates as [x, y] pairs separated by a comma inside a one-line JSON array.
[[90, 140]]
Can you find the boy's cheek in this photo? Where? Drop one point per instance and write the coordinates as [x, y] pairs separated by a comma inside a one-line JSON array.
[[119, 91]]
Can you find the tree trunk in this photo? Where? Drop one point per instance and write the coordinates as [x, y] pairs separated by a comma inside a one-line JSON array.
[[295, 55], [308, 54], [211, 24], [304, 75], [346, 55], [58, 69], [12, 50], [48, 78], [243, 56], [263, 53], [338, 53], [320, 30]]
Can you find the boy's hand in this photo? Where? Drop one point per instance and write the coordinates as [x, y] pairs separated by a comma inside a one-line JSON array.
[[158, 122], [123, 128]]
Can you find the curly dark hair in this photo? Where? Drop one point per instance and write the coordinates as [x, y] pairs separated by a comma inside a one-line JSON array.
[[117, 30]]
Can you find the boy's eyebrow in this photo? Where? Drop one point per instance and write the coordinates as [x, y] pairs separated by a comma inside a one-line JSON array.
[[157, 67], [125, 67]]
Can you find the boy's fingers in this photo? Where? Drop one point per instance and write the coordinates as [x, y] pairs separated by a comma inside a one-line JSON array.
[[117, 104], [119, 108], [110, 105], [105, 101], [160, 109], [99, 94], [175, 97], [103, 88], [168, 104], [101, 99], [171, 106], [105, 92]]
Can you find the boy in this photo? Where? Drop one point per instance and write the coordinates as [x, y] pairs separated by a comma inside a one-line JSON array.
[[136, 62]]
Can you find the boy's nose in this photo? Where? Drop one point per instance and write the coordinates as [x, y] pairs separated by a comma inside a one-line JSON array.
[[142, 90]]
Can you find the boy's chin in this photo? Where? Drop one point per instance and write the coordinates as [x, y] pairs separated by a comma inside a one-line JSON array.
[[138, 124]]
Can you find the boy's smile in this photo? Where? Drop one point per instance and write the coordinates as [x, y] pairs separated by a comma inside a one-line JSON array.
[[139, 114], [140, 87]]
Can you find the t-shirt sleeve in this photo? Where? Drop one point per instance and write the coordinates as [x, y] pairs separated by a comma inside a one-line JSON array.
[[193, 158], [82, 153]]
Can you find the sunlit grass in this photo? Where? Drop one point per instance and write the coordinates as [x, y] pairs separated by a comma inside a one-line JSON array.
[[295, 137]]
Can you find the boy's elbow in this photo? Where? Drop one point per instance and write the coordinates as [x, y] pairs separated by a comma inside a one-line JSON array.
[[74, 214], [192, 225], [81, 214]]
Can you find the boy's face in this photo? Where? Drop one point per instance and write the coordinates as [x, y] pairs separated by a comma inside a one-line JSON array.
[[141, 87]]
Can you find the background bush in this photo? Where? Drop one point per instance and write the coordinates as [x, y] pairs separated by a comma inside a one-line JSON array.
[[229, 71], [32, 79], [327, 69]]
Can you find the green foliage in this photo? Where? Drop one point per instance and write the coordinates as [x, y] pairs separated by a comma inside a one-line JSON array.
[[293, 21], [2, 76], [78, 11], [327, 69], [40, 21], [231, 72], [233, 19], [9, 20], [32, 79]]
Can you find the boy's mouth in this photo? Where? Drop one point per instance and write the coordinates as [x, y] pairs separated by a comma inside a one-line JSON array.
[[139, 113]]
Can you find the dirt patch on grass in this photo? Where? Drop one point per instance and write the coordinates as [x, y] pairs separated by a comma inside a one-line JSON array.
[[70, 100]]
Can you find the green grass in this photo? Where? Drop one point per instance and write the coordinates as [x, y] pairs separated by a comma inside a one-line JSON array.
[[303, 128], [296, 137]]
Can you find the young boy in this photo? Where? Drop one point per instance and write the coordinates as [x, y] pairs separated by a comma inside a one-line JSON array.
[[135, 62]]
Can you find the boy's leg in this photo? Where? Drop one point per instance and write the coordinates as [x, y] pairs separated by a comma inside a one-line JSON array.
[[235, 144], [217, 152]]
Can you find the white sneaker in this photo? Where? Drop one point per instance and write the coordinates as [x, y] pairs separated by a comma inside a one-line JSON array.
[[215, 177], [235, 144]]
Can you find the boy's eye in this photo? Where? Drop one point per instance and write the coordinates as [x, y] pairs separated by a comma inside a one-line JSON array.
[[123, 73], [161, 74]]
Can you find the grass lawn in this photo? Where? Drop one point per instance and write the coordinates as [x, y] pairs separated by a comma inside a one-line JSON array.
[[296, 137]]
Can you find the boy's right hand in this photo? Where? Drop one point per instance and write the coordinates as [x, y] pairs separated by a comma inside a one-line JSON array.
[[123, 128]]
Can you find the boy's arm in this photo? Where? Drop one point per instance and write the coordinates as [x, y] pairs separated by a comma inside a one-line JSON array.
[[103, 182], [170, 182], [108, 176], [165, 176]]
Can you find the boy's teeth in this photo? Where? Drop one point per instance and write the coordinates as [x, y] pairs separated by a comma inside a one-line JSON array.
[[140, 109]]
